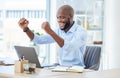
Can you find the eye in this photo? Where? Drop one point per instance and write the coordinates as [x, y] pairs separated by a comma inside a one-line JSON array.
[[61, 17]]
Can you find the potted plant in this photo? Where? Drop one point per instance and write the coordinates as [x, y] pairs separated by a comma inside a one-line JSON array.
[[36, 46]]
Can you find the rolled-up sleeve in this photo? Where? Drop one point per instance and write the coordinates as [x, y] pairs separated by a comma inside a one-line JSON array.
[[44, 39]]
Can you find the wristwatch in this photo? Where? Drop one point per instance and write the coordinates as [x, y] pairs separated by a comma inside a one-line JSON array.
[[25, 29]]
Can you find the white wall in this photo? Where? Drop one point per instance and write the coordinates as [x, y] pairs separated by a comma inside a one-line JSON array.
[[112, 34]]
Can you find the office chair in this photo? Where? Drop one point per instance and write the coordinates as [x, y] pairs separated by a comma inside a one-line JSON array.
[[92, 57]]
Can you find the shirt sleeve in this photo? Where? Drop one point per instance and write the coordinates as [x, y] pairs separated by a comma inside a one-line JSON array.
[[44, 39], [78, 41]]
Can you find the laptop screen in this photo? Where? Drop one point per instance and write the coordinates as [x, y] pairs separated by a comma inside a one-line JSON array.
[[29, 53]]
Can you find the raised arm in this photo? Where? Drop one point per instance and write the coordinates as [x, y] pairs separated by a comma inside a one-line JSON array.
[[23, 23], [48, 30]]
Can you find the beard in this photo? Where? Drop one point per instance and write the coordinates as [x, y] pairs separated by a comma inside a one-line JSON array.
[[67, 25]]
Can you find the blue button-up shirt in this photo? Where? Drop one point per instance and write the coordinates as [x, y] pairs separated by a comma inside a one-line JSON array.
[[71, 54]]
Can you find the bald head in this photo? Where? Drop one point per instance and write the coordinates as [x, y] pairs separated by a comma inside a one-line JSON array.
[[67, 9], [65, 16]]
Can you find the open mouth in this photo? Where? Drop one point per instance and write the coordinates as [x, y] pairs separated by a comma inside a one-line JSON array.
[[61, 26]]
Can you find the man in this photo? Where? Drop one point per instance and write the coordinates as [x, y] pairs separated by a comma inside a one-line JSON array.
[[71, 37]]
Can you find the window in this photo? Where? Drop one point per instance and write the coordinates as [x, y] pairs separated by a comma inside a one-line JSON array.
[[36, 11]]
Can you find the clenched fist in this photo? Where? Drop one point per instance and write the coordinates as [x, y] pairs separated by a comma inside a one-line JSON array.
[[23, 23], [46, 27]]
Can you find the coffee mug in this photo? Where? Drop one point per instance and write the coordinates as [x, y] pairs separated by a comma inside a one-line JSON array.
[[29, 68]]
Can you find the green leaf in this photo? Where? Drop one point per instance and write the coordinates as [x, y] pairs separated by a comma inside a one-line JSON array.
[[38, 33]]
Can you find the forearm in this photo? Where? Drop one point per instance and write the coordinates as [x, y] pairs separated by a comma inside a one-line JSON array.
[[46, 27], [29, 33], [58, 39]]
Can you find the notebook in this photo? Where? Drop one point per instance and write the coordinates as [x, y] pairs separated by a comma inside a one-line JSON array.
[[29, 53], [77, 69]]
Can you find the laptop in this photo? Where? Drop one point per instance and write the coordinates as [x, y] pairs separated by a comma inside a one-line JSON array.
[[29, 53]]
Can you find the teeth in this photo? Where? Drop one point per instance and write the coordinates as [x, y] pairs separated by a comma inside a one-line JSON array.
[[61, 23]]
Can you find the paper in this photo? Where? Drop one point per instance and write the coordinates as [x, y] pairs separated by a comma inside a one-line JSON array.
[[68, 69], [7, 61]]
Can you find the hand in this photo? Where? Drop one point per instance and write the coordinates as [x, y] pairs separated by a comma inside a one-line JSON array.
[[46, 27], [23, 23]]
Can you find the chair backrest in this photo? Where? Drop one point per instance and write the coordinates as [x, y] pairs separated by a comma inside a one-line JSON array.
[[92, 57]]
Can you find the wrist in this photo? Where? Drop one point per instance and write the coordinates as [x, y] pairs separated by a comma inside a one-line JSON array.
[[25, 29]]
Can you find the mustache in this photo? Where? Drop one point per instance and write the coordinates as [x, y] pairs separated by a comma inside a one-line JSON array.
[[62, 22]]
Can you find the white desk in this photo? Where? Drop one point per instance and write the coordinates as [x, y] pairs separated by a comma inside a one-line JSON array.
[[45, 73]]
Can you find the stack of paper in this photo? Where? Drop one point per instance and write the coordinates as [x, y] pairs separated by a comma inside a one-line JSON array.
[[68, 69]]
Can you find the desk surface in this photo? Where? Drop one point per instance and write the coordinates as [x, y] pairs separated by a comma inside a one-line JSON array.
[[8, 72]]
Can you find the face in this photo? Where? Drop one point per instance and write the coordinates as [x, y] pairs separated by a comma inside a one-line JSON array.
[[62, 18]]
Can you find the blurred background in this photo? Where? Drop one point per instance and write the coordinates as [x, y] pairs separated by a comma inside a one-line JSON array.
[[99, 17]]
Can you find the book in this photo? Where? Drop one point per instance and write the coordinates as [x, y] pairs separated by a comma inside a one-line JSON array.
[[78, 69]]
